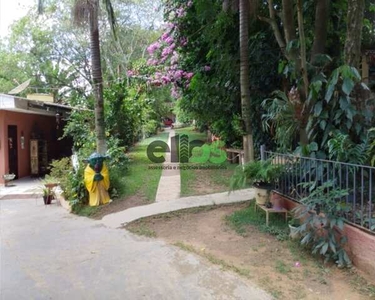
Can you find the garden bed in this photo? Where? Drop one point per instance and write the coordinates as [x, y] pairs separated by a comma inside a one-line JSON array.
[[236, 238]]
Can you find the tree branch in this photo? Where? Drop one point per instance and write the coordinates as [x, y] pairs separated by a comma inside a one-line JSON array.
[[288, 21], [302, 39], [276, 30], [321, 27]]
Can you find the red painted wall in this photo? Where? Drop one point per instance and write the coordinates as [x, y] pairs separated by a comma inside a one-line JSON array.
[[3, 145], [25, 124], [361, 249]]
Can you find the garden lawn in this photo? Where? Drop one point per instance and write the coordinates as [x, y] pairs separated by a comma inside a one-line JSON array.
[[192, 133], [205, 181], [139, 178]]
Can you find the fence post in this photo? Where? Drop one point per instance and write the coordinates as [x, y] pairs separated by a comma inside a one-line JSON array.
[[263, 152]]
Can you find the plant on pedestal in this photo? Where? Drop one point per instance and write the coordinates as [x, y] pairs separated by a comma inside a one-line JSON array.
[[260, 174]]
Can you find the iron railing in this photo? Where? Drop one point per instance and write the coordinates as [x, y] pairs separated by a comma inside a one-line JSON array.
[[302, 174]]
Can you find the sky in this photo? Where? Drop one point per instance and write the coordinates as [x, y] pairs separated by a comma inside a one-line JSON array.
[[12, 10]]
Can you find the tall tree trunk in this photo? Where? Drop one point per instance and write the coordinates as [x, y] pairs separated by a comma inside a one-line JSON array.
[[275, 27], [248, 142], [230, 5], [321, 28], [304, 90], [288, 20], [353, 42], [97, 79], [302, 40]]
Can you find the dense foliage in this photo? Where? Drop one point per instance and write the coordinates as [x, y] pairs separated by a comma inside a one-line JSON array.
[[323, 222], [198, 55], [51, 51]]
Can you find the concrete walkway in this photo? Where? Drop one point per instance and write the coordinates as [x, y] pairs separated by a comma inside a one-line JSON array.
[[170, 181], [119, 219], [47, 253], [22, 188]]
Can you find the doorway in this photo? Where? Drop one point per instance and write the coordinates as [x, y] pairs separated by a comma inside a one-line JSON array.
[[13, 150]]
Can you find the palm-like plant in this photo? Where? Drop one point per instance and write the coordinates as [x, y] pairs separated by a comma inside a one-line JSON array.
[[248, 142], [283, 118], [87, 12]]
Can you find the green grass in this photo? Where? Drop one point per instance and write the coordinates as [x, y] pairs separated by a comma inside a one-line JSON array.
[[239, 221], [140, 179], [87, 211], [219, 179], [282, 267], [363, 286], [222, 177], [192, 133], [188, 179], [215, 177], [143, 230]]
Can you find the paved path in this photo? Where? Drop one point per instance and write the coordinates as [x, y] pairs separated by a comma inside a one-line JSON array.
[[170, 181], [22, 188], [118, 219], [46, 253]]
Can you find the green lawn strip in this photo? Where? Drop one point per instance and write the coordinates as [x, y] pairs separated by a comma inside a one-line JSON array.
[[142, 229], [218, 177], [239, 220], [222, 176], [192, 133], [87, 211], [188, 178], [139, 178]]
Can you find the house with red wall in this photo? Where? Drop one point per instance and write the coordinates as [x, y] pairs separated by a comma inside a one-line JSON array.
[[29, 135]]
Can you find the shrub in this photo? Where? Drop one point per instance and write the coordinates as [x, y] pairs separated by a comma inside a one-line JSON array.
[[322, 215], [257, 172], [117, 156], [117, 187], [71, 181], [150, 128]]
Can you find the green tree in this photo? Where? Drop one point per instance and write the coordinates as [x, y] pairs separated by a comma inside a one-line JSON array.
[[87, 11]]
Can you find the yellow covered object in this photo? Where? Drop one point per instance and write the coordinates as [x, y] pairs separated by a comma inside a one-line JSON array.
[[98, 190]]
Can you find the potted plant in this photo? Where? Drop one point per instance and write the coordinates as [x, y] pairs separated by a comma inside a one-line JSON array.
[[8, 177], [259, 174], [293, 227], [48, 195], [49, 182]]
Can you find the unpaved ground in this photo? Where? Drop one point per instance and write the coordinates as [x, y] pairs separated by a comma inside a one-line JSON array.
[[260, 257]]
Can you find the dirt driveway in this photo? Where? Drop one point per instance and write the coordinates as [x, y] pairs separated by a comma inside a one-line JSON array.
[[47, 253]]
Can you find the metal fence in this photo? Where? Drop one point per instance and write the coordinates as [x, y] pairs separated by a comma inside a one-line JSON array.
[[303, 173]]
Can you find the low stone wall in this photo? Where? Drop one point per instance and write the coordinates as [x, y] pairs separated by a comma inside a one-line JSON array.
[[361, 249], [360, 246], [59, 196]]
